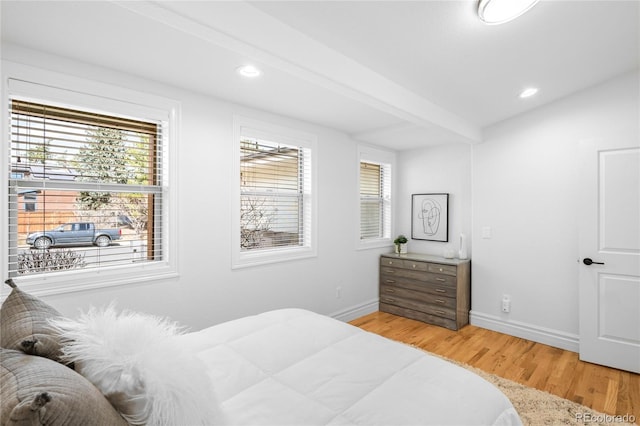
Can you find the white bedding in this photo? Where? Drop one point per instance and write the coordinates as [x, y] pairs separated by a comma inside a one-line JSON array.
[[295, 367]]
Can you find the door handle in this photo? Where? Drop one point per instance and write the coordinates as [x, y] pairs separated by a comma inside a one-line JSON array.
[[587, 261]]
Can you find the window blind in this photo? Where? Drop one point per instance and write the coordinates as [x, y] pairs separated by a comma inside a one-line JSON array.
[[375, 205], [76, 166], [275, 187]]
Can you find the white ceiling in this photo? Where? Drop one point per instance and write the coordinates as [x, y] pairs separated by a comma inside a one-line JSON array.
[[401, 74]]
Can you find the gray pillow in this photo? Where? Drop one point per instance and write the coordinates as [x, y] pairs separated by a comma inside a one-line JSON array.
[[24, 325], [37, 390]]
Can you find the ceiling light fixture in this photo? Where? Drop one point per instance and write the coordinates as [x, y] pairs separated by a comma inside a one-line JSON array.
[[249, 71], [495, 12], [526, 93]]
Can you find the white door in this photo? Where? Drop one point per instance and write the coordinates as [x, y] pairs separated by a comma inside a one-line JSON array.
[[610, 254]]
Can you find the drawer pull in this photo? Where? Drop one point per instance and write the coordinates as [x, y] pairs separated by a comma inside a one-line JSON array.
[[441, 269], [389, 281], [440, 290], [442, 302], [390, 271], [390, 290], [388, 299], [390, 262], [413, 265], [440, 312], [440, 279]]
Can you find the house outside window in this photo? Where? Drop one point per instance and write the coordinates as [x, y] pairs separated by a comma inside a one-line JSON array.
[[275, 210], [76, 164], [375, 196]]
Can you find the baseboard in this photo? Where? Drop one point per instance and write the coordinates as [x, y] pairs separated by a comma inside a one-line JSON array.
[[547, 336], [356, 311]]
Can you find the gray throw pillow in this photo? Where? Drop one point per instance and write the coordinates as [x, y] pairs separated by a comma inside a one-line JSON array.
[[24, 325], [37, 390]]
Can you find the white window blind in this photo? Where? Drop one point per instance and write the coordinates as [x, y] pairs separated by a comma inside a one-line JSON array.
[[375, 200], [77, 166], [275, 195]]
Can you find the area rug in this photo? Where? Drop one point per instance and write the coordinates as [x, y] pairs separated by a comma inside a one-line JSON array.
[[537, 407]]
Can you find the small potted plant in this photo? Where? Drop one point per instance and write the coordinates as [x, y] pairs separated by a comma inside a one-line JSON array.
[[400, 242]]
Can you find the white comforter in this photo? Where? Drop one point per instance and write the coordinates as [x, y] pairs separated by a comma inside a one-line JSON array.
[[295, 367]]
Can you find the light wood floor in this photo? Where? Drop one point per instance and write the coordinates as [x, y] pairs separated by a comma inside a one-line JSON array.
[[533, 364]]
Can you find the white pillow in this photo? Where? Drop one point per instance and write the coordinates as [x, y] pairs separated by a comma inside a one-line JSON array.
[[137, 362]]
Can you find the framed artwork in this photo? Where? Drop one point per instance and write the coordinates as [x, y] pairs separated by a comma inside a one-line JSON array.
[[430, 217]]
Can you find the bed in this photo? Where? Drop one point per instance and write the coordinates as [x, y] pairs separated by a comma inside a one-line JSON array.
[[295, 367], [283, 367]]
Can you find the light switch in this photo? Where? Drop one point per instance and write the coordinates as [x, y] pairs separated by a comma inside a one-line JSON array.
[[486, 232]]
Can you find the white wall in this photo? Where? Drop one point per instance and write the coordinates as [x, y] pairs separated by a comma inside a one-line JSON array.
[[526, 188], [522, 183], [208, 291], [439, 169]]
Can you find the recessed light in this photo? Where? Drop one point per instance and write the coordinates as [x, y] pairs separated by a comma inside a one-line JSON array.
[[526, 93], [495, 12], [249, 71]]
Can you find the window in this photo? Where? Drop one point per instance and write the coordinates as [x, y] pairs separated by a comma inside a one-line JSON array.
[[30, 199], [275, 218], [92, 173], [375, 196]]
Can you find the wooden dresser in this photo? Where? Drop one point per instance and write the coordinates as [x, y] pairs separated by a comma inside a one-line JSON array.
[[426, 288]]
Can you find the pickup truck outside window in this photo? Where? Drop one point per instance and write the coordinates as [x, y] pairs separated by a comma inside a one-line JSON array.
[[73, 234]]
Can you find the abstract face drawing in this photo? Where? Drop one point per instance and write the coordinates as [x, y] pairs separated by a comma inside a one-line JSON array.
[[430, 215]]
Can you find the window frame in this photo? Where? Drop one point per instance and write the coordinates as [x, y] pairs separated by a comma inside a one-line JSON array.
[[248, 127], [385, 158], [42, 86]]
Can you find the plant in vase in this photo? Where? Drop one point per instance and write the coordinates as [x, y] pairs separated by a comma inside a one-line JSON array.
[[400, 242]]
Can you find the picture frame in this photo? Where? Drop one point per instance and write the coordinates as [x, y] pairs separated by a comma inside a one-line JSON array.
[[430, 217]]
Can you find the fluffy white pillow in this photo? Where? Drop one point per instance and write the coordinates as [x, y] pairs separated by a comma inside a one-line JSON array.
[[137, 362]]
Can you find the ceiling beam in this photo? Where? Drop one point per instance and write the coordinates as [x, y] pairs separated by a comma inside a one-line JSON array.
[[244, 29]]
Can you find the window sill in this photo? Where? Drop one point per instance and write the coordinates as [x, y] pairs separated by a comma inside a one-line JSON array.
[[71, 282], [375, 244], [266, 257]]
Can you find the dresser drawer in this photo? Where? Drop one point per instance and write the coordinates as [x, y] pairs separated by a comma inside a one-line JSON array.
[[438, 289], [399, 273], [415, 266], [441, 289], [396, 263], [442, 269], [440, 279], [420, 316], [414, 305], [418, 296]]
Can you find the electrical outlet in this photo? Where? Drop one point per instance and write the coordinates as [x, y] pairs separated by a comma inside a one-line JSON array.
[[506, 304], [338, 292]]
